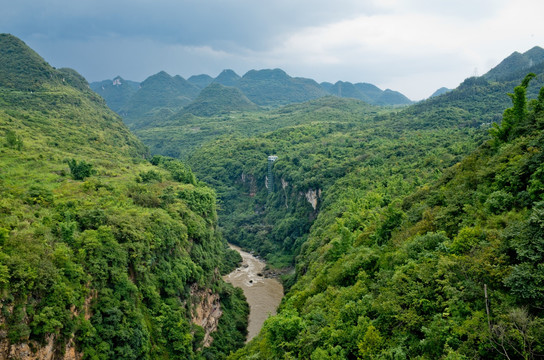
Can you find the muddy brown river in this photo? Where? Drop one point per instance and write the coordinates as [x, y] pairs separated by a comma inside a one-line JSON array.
[[263, 294]]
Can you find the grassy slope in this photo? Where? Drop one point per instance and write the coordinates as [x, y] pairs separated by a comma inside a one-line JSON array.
[[108, 262]]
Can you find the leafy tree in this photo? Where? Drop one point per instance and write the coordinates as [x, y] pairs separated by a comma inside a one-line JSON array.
[[13, 140], [516, 115], [80, 170]]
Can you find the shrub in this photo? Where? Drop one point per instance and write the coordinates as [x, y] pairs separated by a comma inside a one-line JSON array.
[[149, 176], [13, 140], [80, 170]]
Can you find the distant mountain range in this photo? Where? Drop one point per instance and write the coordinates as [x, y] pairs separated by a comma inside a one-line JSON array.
[[216, 98], [162, 94], [118, 91], [366, 92]]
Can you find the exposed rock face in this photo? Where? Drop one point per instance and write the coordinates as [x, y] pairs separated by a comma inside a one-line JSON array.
[[284, 185], [312, 196], [24, 350], [50, 350], [70, 352], [250, 179], [34, 351], [207, 312]]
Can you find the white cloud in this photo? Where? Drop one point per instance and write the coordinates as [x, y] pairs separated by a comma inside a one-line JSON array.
[[414, 46], [416, 49]]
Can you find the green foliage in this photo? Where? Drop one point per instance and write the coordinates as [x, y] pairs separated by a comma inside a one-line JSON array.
[[149, 176], [80, 170], [39, 195], [515, 116], [354, 150], [394, 233], [466, 240], [22, 68], [396, 267], [217, 99], [180, 171], [108, 264], [13, 140], [370, 344]]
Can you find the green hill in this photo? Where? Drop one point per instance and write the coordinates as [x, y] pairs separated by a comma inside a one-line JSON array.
[[477, 102], [391, 97], [227, 78], [217, 99], [516, 62], [402, 233], [275, 87], [440, 91], [366, 92], [347, 89], [159, 95], [103, 255], [156, 101], [378, 270], [200, 81], [180, 135], [369, 90], [405, 247], [21, 68], [116, 92]]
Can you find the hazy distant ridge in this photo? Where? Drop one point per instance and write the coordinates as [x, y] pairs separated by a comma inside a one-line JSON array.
[[268, 87]]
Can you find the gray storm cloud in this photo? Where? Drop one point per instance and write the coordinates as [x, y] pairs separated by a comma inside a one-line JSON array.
[[413, 46]]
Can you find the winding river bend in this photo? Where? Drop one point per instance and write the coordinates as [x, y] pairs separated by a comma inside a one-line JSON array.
[[263, 294]]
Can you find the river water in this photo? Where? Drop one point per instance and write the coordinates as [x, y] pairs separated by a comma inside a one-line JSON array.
[[263, 294]]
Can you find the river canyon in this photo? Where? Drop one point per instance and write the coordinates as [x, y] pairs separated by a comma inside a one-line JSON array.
[[263, 294]]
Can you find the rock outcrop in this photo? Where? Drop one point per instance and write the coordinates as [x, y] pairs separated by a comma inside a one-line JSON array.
[[312, 196], [206, 312], [252, 183]]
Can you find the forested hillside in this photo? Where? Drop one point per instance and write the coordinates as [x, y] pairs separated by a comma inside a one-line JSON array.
[[157, 108], [117, 92], [401, 232], [366, 92], [452, 270], [319, 142], [103, 254], [383, 153]]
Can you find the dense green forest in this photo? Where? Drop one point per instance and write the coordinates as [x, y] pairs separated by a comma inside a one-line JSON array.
[[327, 140], [311, 158], [452, 270], [392, 254], [404, 232], [172, 115], [102, 252]]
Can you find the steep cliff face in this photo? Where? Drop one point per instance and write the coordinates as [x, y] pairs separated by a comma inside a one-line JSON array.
[[249, 181], [98, 246], [284, 185], [312, 196], [33, 350], [206, 313]]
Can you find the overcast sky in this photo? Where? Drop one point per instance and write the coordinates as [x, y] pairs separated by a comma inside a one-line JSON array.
[[412, 46]]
